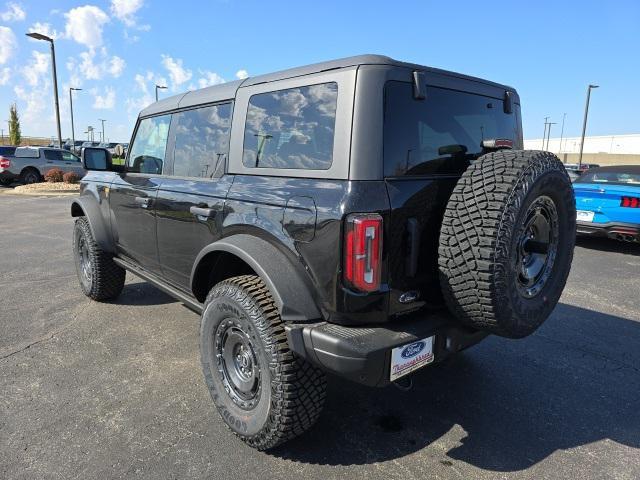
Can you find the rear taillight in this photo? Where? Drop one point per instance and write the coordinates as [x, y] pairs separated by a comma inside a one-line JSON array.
[[363, 251], [631, 202], [4, 162]]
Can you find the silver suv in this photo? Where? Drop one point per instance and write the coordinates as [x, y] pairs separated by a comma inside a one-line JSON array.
[[29, 164]]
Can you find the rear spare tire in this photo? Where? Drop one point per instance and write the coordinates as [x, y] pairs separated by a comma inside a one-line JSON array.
[[506, 242]]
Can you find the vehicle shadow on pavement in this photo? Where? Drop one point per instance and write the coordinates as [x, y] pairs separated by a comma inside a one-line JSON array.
[[142, 293], [504, 405], [608, 245]]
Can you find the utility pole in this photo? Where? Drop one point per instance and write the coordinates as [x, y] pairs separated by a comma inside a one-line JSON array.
[[102, 120], [544, 135], [584, 123], [549, 134], [564, 115]]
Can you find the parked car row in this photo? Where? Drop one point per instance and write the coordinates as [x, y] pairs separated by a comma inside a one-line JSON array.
[[29, 164]]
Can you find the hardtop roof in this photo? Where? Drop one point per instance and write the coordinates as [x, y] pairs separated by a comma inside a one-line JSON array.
[[227, 91]]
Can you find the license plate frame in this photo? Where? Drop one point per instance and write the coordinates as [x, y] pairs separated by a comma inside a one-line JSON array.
[[410, 357]]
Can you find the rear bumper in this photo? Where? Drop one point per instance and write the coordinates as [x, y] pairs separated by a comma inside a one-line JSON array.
[[617, 230], [7, 175], [363, 354]]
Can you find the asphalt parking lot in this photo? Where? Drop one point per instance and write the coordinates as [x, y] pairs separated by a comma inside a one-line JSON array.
[[114, 390]]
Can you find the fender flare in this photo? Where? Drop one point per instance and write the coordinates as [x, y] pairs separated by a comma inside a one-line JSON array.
[[290, 289], [88, 206]]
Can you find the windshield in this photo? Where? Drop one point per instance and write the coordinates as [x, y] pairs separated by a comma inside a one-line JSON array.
[[623, 178], [444, 132]]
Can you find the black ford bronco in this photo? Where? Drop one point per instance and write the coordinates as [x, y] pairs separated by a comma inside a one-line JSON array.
[[363, 217]]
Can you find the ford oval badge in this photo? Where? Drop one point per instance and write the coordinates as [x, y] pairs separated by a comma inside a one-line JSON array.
[[413, 349]]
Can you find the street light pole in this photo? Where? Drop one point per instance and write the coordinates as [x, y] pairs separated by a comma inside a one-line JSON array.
[[73, 131], [157, 87], [103, 137], [584, 123], [40, 36]]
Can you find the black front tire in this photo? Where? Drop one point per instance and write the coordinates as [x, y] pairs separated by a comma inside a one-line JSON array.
[[268, 396], [100, 278], [506, 242]]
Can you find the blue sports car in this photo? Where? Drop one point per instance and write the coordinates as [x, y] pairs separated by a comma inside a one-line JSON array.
[[608, 202]]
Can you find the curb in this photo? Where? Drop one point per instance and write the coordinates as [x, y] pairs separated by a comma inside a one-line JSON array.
[[41, 193]]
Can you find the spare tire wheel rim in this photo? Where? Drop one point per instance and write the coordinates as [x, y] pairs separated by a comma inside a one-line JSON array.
[[238, 364], [537, 246]]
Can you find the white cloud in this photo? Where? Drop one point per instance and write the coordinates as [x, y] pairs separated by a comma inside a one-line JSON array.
[[116, 66], [104, 101], [36, 100], [92, 69], [85, 25], [242, 74], [37, 68], [45, 29], [5, 76], [8, 44], [88, 68], [13, 13], [125, 10], [177, 72], [209, 78]]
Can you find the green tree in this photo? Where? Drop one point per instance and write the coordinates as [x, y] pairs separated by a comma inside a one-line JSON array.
[[14, 126]]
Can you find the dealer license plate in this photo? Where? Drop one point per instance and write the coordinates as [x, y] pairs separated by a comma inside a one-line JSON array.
[[584, 216], [411, 357]]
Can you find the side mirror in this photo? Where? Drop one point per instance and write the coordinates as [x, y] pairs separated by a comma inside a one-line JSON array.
[[94, 158]]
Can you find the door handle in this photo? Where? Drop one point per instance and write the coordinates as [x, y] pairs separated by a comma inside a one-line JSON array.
[[202, 212], [143, 201]]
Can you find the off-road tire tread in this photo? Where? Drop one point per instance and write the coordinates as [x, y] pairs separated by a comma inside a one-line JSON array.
[[108, 278], [298, 388], [477, 229]]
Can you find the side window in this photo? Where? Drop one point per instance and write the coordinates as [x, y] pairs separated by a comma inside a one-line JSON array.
[[291, 128], [53, 155], [69, 157], [201, 140], [149, 145]]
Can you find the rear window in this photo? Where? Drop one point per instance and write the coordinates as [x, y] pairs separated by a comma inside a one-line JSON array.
[[442, 133], [624, 178], [291, 128], [27, 152]]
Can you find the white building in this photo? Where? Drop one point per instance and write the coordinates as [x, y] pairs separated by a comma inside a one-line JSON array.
[[612, 144]]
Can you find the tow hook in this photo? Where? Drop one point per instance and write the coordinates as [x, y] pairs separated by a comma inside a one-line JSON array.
[[405, 384]]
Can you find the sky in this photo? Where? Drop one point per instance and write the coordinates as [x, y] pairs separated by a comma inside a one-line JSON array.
[[118, 50]]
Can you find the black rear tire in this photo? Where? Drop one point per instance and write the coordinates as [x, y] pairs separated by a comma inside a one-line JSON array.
[[100, 278], [30, 175], [506, 242], [263, 392]]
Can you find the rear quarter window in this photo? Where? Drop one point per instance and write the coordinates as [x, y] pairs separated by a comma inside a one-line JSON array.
[[292, 128], [441, 134]]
